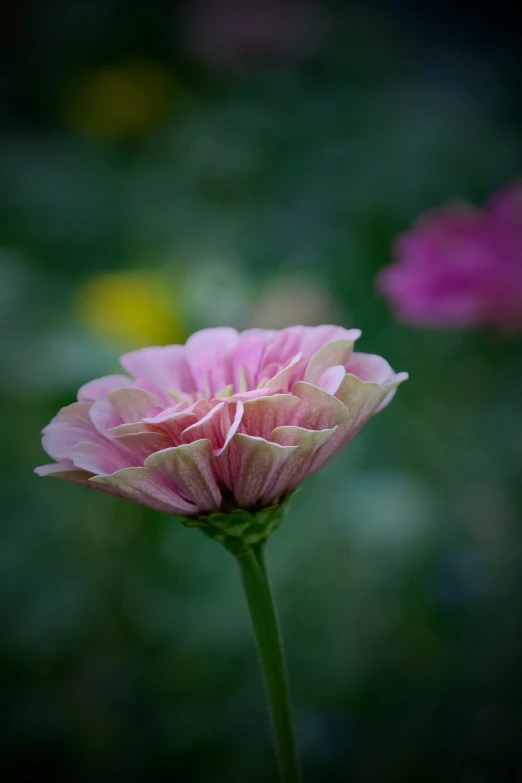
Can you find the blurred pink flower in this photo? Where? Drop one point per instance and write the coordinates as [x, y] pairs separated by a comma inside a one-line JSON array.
[[232, 31], [227, 420], [461, 266]]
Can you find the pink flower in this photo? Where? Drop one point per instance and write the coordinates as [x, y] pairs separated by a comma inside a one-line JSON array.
[[461, 266], [226, 421]]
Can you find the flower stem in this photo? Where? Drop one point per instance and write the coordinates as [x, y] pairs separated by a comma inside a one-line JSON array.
[[268, 638]]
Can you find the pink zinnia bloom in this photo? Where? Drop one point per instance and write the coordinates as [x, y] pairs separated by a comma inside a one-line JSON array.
[[226, 421], [461, 266]]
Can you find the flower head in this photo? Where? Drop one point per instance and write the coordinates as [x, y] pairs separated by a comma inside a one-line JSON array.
[[461, 266], [226, 421]]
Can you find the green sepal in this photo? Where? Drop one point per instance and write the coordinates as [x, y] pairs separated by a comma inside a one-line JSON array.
[[240, 530]]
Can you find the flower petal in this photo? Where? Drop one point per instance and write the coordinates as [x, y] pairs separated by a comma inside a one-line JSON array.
[[134, 428], [257, 463], [307, 443], [123, 406], [225, 457], [362, 399], [165, 414], [331, 379], [209, 356], [173, 422], [64, 470], [100, 387], [318, 409], [370, 367], [230, 427], [285, 344], [165, 365], [209, 427], [71, 425], [263, 414], [249, 395], [133, 404], [150, 489], [307, 340], [104, 418], [315, 337], [282, 381], [140, 445], [247, 358], [330, 355], [98, 457], [189, 467], [218, 426]]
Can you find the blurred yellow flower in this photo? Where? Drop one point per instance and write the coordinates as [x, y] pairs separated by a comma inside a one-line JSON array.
[[122, 101], [130, 308]]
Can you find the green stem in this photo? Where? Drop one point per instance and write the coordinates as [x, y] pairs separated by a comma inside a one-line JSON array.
[[266, 630]]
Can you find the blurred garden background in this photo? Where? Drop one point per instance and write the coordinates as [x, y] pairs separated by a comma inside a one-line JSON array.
[[167, 167]]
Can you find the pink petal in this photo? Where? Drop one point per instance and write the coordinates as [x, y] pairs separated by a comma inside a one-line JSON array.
[[362, 399], [209, 355], [209, 427], [165, 365], [230, 427], [166, 414], [329, 355], [69, 427], [64, 470], [264, 414], [285, 378], [318, 410], [250, 395], [225, 463], [189, 467], [133, 405], [331, 379], [258, 462], [100, 387], [306, 443], [123, 406], [200, 408], [140, 445], [98, 457], [134, 428], [217, 426], [104, 418], [247, 358], [307, 340], [150, 489], [284, 346], [166, 398], [173, 424], [370, 367], [315, 337]]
